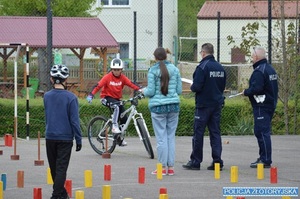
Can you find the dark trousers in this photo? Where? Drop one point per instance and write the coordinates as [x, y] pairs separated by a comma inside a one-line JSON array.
[[262, 131], [121, 109], [58, 154], [210, 117]]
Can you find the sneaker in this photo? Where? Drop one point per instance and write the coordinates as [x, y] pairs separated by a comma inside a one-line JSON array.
[[115, 129], [259, 161], [123, 143], [164, 172], [170, 172], [191, 166], [119, 140], [212, 167]]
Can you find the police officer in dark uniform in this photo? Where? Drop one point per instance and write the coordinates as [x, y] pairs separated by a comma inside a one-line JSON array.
[[209, 81], [263, 94]]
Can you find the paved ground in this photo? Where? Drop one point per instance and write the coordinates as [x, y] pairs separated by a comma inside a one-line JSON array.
[[125, 161]]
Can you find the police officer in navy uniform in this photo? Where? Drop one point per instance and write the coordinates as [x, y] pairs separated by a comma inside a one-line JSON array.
[[209, 81], [263, 94]]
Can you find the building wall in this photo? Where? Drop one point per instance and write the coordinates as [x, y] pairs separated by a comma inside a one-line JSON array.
[[120, 22], [207, 32]]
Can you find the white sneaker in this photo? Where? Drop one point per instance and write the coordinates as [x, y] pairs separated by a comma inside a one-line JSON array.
[[123, 143], [115, 129]]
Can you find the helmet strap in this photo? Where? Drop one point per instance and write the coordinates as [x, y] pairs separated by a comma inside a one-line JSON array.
[[65, 87], [58, 81]]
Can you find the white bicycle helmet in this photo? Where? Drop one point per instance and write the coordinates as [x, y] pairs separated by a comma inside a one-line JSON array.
[[116, 64], [59, 71]]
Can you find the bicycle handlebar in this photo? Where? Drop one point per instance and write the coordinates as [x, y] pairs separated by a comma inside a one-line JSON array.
[[139, 96]]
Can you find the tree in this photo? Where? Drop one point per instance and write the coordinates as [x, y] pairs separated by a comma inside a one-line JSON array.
[[285, 50], [187, 17], [60, 8], [248, 38], [187, 26]]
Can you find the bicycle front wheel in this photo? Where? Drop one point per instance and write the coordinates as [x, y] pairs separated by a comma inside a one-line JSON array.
[[97, 130], [146, 140]]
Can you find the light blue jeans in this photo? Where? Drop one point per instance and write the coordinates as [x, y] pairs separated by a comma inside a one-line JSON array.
[[165, 125]]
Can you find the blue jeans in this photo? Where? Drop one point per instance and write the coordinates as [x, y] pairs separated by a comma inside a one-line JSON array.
[[210, 117], [262, 131], [165, 125]]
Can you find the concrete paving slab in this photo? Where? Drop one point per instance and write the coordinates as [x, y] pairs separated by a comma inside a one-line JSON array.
[[237, 151]]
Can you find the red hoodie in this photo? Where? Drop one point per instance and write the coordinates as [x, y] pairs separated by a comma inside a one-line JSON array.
[[112, 86]]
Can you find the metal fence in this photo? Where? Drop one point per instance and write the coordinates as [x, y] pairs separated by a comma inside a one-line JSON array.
[[138, 34]]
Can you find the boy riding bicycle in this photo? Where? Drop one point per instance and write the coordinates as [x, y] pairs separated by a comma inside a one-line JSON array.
[[112, 85]]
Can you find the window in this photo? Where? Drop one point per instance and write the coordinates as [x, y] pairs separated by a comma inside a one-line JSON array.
[[104, 2], [124, 50], [114, 2], [120, 2], [124, 55]]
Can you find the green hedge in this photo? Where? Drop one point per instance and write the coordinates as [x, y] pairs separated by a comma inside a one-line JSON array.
[[237, 117]]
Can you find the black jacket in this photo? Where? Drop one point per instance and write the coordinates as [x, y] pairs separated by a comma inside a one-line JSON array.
[[263, 82], [209, 81]]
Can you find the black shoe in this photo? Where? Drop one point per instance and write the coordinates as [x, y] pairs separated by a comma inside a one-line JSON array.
[[60, 197], [190, 166], [258, 161], [212, 167]]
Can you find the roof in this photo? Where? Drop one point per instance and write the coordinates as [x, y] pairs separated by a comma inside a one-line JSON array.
[[245, 9], [68, 32]]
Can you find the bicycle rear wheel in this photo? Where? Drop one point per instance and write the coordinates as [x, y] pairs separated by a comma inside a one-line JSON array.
[[145, 137], [97, 129]]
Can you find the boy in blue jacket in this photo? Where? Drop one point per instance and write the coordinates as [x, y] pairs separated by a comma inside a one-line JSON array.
[[62, 126]]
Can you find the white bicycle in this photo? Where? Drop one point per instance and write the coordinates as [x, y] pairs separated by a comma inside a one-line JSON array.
[[103, 140]]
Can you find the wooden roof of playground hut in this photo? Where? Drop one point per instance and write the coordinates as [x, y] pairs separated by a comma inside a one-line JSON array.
[[68, 32]]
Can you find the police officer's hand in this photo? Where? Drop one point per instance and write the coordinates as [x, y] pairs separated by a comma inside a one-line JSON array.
[[78, 147], [244, 92]]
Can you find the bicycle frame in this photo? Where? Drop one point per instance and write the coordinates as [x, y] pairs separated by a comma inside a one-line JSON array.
[[102, 139], [133, 115]]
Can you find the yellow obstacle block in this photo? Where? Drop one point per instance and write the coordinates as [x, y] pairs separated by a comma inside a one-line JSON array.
[[106, 192], [49, 176], [163, 196], [217, 170], [79, 194], [229, 197], [286, 197], [88, 178], [1, 190], [234, 174], [159, 171], [260, 171]]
